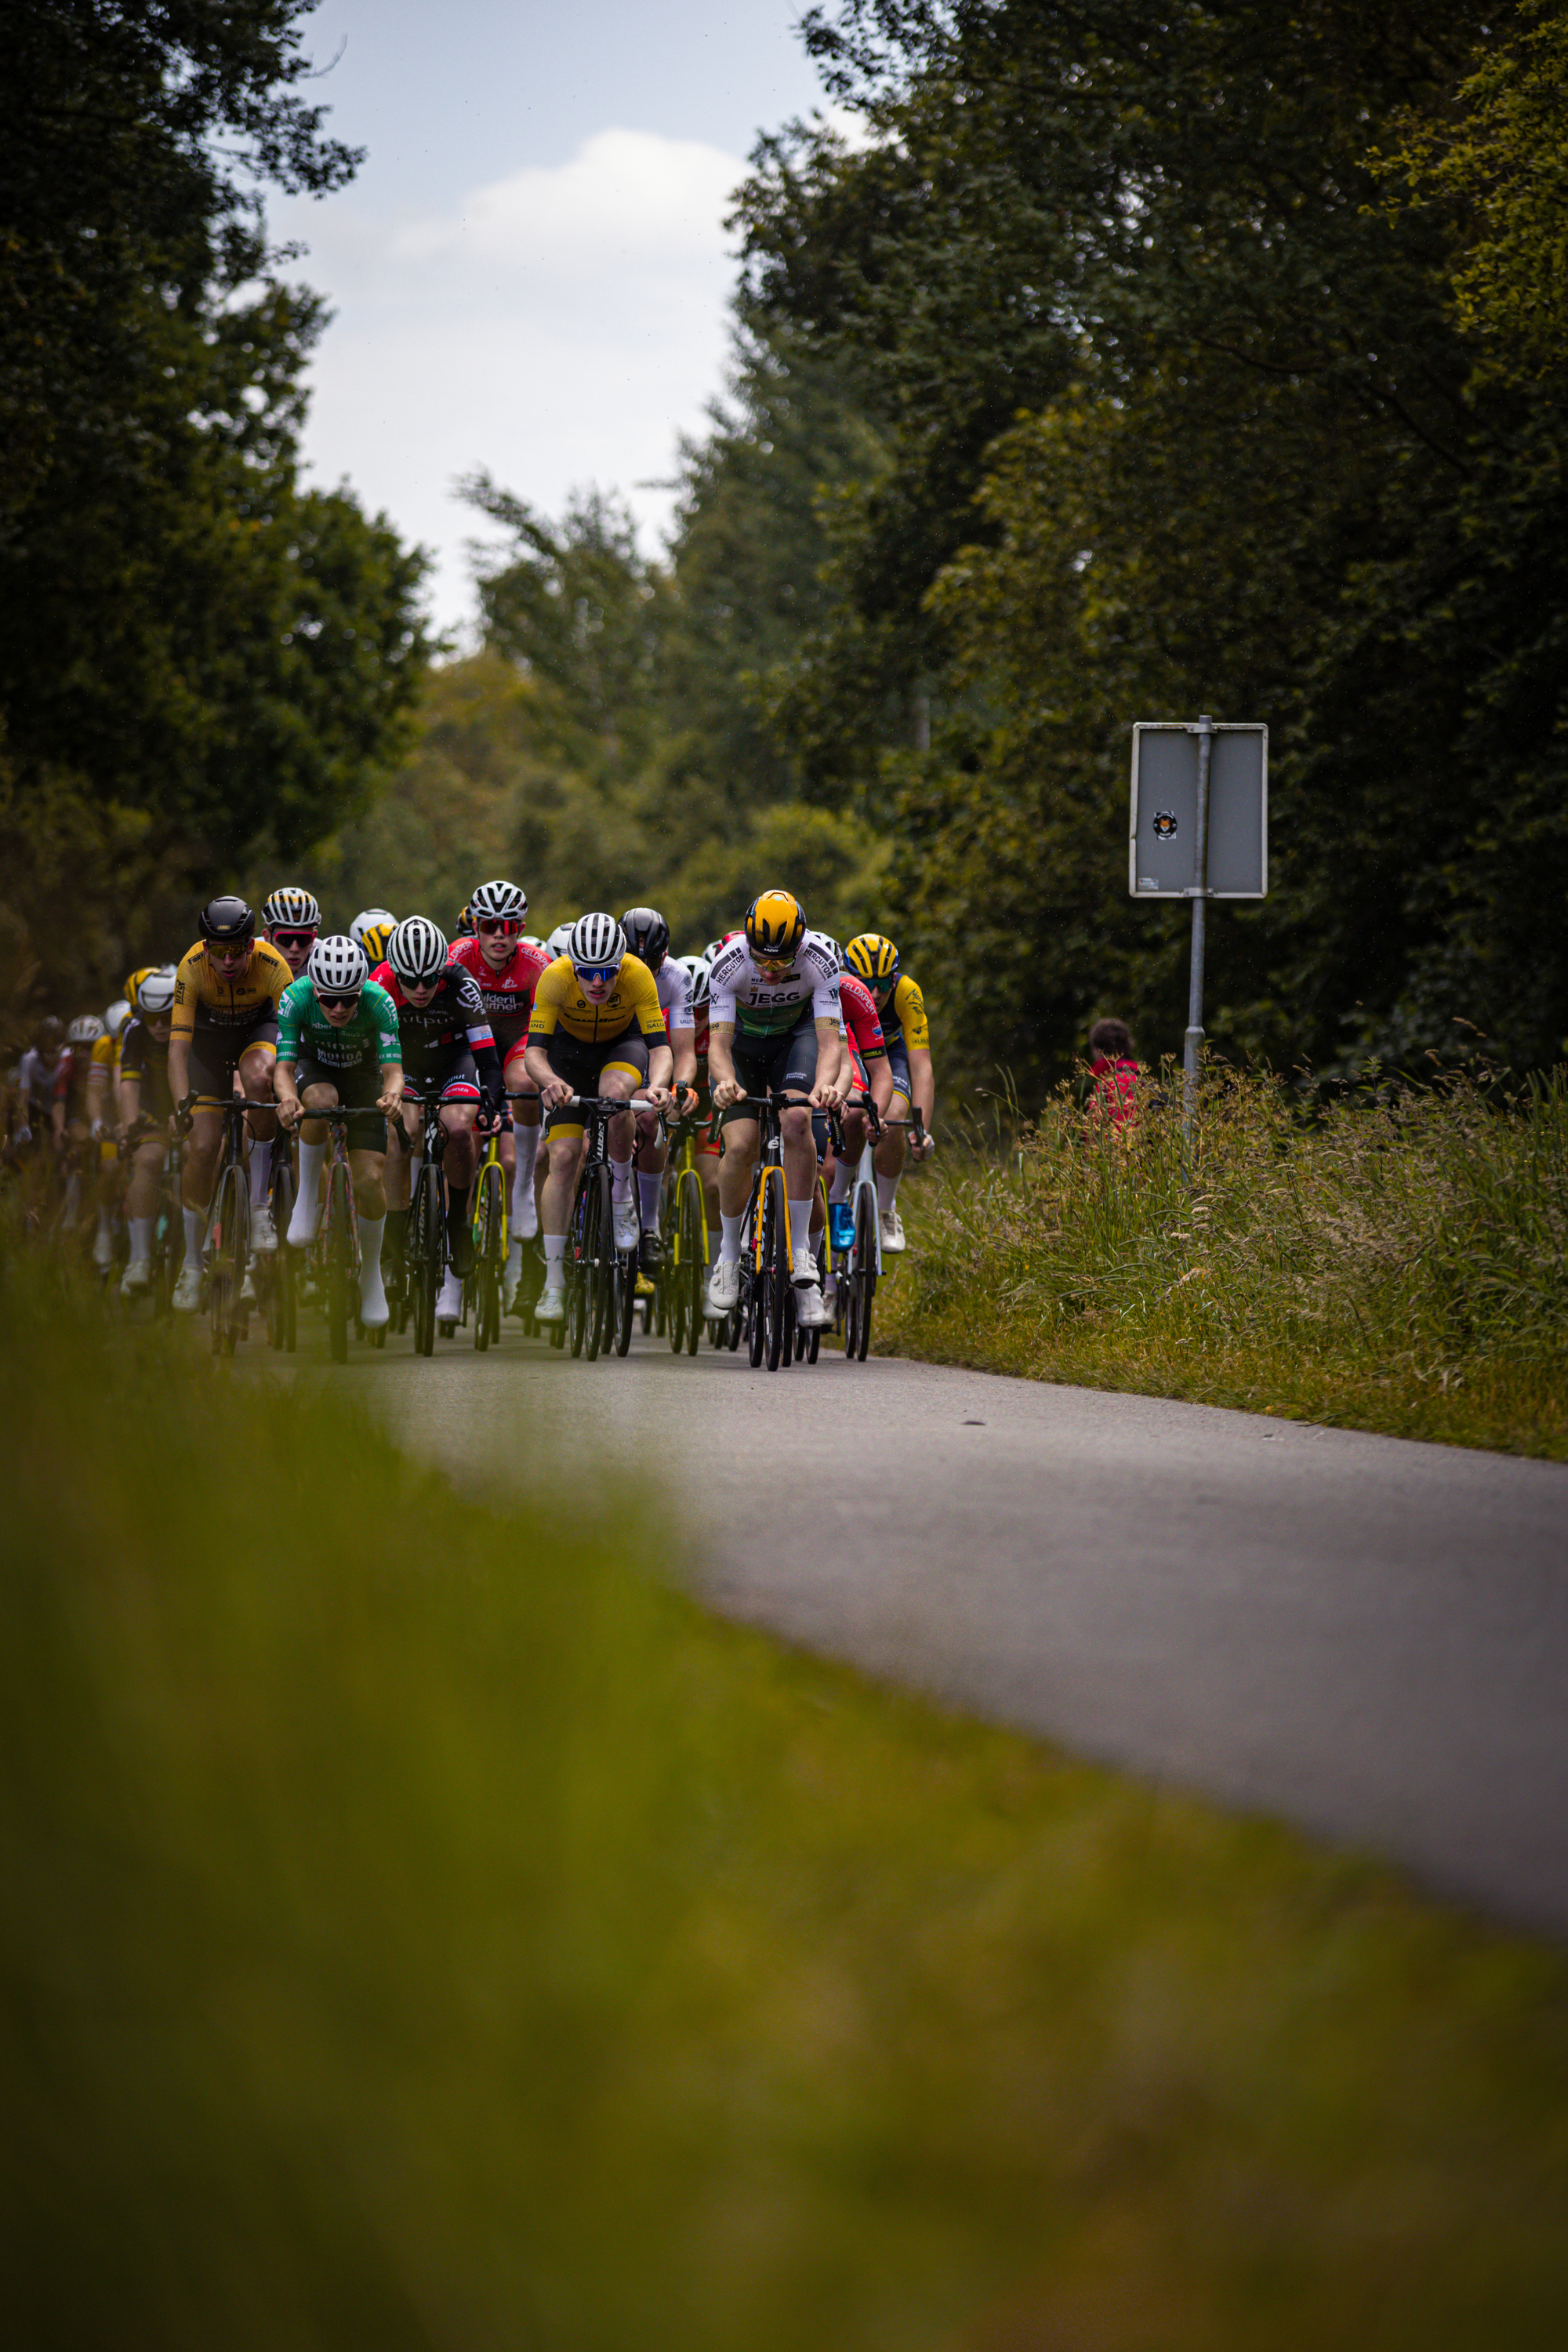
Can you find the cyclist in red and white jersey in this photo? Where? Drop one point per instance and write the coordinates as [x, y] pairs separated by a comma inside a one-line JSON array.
[[506, 966]]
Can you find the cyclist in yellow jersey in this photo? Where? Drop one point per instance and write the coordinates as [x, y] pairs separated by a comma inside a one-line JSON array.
[[102, 1076], [225, 1028], [597, 1028], [903, 1016]]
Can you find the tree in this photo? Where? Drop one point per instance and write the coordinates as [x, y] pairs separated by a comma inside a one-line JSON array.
[[195, 656]]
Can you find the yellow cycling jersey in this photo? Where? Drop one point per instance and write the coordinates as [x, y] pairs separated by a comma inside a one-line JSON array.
[[105, 1055], [907, 1007], [558, 1001], [203, 994]]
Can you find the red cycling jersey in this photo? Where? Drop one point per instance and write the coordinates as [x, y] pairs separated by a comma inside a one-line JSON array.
[[508, 993], [861, 1018]]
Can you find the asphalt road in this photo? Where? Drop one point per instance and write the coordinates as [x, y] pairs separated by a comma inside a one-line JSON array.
[[1363, 1636]]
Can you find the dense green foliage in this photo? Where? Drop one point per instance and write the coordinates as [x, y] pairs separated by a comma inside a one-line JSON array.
[[415, 1930], [195, 655], [1397, 1262], [1175, 410]]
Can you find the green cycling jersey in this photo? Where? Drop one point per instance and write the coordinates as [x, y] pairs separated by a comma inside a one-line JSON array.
[[305, 1034]]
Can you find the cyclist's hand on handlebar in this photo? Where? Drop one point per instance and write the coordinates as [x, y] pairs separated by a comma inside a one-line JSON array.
[[291, 1110], [826, 1097], [922, 1146], [659, 1096], [553, 1092], [390, 1104], [687, 1099], [727, 1091]]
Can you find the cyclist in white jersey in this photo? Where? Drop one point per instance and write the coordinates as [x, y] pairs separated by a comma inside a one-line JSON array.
[[773, 1026], [647, 935]]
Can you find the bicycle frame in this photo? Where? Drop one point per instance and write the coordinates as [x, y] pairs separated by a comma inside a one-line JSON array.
[[226, 1245]]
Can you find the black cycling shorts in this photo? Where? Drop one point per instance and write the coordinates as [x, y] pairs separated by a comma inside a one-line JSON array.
[[214, 1055], [766, 1066], [358, 1084], [453, 1076], [583, 1067], [899, 1062]]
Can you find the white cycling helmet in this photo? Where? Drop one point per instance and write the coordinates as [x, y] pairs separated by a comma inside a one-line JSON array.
[[499, 902], [155, 997], [697, 972], [416, 950], [531, 939], [292, 909], [85, 1029], [598, 942], [371, 918], [338, 966], [118, 1014], [716, 947], [559, 943]]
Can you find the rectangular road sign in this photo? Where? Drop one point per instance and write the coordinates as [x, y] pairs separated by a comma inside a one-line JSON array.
[[1162, 846]]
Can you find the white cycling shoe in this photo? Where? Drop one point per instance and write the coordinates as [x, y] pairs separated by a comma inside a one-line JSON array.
[[629, 1233], [893, 1242], [551, 1307], [450, 1305], [189, 1290], [137, 1279], [810, 1312], [373, 1310], [263, 1232], [301, 1224], [104, 1249], [511, 1277], [723, 1288]]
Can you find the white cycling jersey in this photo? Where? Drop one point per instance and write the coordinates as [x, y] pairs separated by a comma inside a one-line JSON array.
[[761, 1006], [675, 995]]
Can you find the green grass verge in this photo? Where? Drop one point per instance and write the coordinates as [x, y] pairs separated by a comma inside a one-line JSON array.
[[420, 1929], [1399, 1263]]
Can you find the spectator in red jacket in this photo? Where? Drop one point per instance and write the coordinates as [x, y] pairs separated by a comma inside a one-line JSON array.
[[1113, 1067]]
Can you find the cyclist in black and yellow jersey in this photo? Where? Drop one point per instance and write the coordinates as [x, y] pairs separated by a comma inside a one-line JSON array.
[[908, 1038], [597, 1028], [224, 1026]]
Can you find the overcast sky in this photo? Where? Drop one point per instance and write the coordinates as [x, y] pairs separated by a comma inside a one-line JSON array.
[[530, 271]]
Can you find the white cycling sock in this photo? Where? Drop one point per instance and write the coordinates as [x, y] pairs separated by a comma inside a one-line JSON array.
[[842, 1177], [554, 1256], [800, 1229], [730, 1237], [651, 1192], [260, 1171], [524, 1209], [621, 1176], [303, 1224], [195, 1235], [141, 1231], [105, 1222], [886, 1188], [370, 1233]]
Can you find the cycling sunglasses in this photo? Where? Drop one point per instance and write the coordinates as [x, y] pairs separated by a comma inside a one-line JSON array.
[[334, 1003], [294, 938], [589, 973], [501, 927]]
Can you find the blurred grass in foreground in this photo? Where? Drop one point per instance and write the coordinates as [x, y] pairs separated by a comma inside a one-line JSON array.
[[419, 1930], [1398, 1264]]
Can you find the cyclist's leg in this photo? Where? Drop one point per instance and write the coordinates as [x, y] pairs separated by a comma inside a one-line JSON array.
[[318, 1091], [526, 1130], [620, 1074], [459, 1109], [893, 1146], [212, 1071], [367, 1141], [256, 1065]]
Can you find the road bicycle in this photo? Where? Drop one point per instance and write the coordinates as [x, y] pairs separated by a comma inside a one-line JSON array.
[[856, 1228], [492, 1239], [227, 1248], [425, 1267], [601, 1280], [684, 1271], [280, 1295], [336, 1247], [765, 1313]]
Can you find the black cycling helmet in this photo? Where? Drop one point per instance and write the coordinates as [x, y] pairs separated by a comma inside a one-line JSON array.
[[226, 921], [647, 935], [50, 1033]]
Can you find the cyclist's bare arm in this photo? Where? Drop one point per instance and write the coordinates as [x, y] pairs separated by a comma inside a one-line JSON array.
[[922, 1079], [722, 1083], [390, 1099], [291, 1110], [551, 1090], [832, 1066], [179, 1067]]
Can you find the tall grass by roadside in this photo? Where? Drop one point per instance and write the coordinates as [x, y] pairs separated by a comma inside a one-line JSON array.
[[1396, 1261], [418, 1929]]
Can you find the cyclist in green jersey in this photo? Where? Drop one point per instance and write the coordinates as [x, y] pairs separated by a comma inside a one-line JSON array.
[[338, 1043]]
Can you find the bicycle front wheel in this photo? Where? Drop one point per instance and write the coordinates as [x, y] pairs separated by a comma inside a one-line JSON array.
[[624, 1298], [691, 1221], [426, 1226], [773, 1270], [225, 1271], [338, 1249], [865, 1266], [601, 1265], [283, 1312], [489, 1224]]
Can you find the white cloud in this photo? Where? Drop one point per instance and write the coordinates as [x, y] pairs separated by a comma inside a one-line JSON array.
[[561, 327]]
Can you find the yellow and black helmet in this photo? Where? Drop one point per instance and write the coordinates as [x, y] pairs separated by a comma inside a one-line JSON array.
[[874, 959], [133, 984], [774, 925]]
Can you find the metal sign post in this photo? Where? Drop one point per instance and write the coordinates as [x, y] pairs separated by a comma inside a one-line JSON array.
[[1199, 831]]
